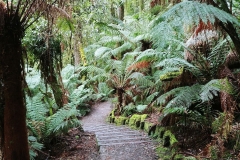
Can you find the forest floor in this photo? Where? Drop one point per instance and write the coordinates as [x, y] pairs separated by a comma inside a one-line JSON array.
[[101, 140]]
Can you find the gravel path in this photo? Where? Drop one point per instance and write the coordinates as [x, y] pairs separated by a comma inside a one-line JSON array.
[[117, 142]]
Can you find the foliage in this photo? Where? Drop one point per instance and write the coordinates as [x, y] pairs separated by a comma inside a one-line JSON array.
[[175, 21], [34, 146], [44, 119], [171, 60]]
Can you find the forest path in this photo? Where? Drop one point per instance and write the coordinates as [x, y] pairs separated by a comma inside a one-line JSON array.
[[117, 142]]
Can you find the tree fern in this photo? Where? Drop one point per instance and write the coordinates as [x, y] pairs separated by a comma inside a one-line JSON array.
[[181, 15]]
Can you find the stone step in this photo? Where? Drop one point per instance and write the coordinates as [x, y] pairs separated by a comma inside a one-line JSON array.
[[106, 126], [123, 143], [103, 129], [113, 139], [113, 133], [96, 125], [122, 135]]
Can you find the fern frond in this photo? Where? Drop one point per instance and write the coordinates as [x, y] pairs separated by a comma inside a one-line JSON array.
[[189, 13], [123, 48], [36, 109], [110, 39], [210, 90], [218, 54], [192, 12], [135, 75], [139, 65], [64, 119], [90, 70], [185, 98], [34, 146], [150, 55], [102, 51], [143, 82], [178, 62]]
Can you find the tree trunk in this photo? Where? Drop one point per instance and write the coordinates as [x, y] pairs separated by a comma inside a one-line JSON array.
[[234, 36], [15, 131], [120, 100], [1, 108], [112, 9], [76, 53], [121, 12], [228, 103], [56, 88]]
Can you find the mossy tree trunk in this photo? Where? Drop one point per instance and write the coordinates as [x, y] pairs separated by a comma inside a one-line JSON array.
[[14, 123], [57, 91], [49, 69], [76, 51]]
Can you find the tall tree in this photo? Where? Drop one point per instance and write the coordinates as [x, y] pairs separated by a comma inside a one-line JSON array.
[[15, 17]]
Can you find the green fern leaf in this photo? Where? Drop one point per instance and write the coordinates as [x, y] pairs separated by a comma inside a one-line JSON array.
[[189, 13]]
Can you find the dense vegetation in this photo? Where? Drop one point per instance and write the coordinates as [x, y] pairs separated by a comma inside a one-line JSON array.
[[177, 60]]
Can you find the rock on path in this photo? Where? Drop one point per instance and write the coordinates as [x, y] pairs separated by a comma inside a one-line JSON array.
[[117, 142]]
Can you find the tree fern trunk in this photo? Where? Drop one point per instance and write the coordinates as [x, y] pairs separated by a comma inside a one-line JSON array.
[[229, 28], [120, 100], [121, 12], [15, 131], [228, 103]]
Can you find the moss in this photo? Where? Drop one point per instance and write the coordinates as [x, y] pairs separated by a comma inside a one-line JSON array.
[[143, 117], [133, 120], [148, 126], [127, 121], [214, 152], [111, 117], [165, 153], [227, 86], [161, 132], [120, 120], [169, 136], [170, 75], [217, 123]]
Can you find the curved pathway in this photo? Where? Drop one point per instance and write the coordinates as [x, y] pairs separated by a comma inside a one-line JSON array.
[[117, 142]]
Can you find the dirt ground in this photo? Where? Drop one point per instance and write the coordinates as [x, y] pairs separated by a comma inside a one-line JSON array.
[[76, 145]]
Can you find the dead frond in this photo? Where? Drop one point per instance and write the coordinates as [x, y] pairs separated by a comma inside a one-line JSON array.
[[139, 65]]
